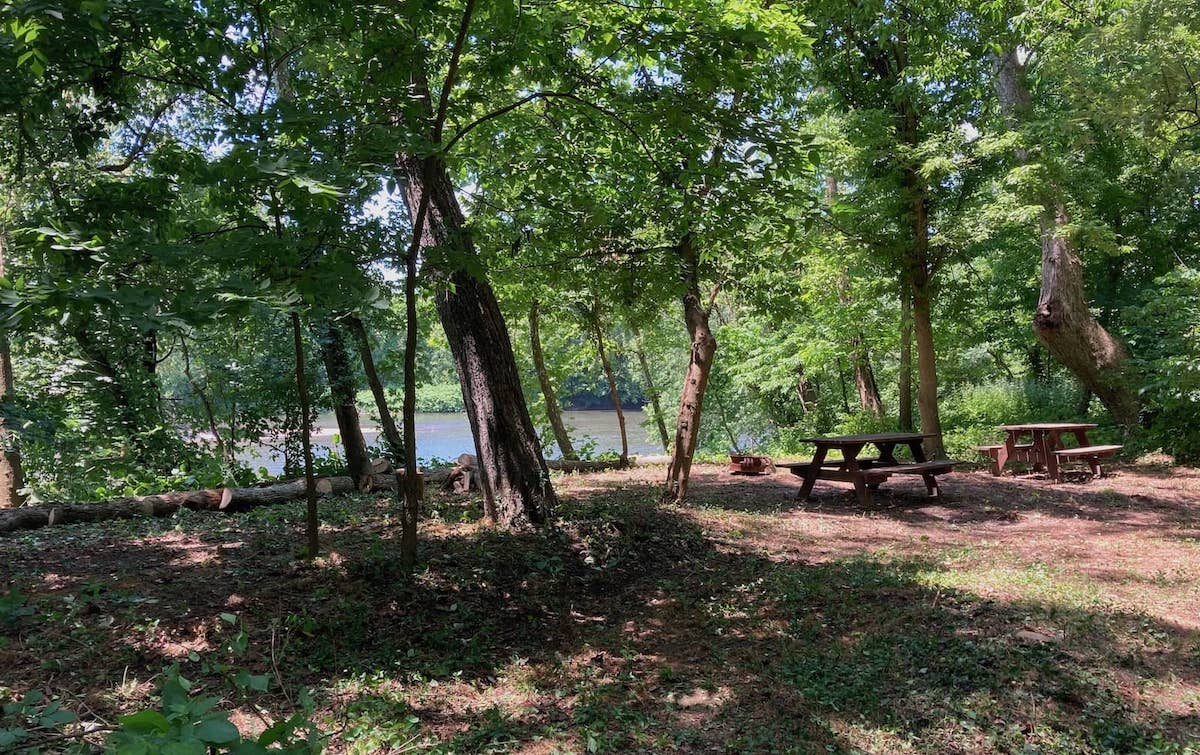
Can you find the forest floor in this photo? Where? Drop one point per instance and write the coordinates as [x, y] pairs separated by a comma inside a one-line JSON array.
[[1011, 615]]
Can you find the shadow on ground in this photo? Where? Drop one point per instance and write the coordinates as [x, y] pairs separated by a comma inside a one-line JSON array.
[[629, 629]]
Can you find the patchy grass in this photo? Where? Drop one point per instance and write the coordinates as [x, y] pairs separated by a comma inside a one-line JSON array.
[[1009, 616]]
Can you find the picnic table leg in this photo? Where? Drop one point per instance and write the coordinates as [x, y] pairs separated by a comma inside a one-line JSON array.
[[850, 453], [1003, 454], [861, 492], [918, 451], [814, 468], [887, 453], [1050, 444], [931, 486]]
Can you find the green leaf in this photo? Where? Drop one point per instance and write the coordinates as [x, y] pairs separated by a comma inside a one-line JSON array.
[[146, 722], [217, 731]]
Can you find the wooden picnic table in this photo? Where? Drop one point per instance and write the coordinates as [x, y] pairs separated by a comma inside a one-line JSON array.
[[1044, 448], [866, 473]]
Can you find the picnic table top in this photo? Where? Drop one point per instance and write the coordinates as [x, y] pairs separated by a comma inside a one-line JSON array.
[[854, 440], [1050, 426]]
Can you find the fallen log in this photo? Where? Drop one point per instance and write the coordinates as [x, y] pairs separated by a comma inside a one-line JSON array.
[[241, 499], [166, 504]]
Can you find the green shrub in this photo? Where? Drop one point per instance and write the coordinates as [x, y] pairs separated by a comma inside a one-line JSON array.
[[971, 415], [1165, 341]]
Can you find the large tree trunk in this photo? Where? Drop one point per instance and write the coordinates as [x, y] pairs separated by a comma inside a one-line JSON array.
[[691, 400], [343, 392], [411, 484], [611, 378], [516, 484], [905, 382], [927, 392], [12, 479], [653, 392], [553, 410], [387, 422], [920, 272], [1063, 320]]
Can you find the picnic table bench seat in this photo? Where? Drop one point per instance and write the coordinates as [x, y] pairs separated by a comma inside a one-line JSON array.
[[871, 473], [1086, 451], [1091, 454]]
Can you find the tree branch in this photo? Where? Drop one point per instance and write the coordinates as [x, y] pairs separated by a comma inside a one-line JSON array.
[[439, 120], [142, 141]]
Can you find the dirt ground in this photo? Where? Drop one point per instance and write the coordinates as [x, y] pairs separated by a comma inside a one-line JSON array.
[[1008, 615]]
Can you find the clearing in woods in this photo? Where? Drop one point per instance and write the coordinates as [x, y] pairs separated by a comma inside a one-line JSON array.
[[1011, 614]]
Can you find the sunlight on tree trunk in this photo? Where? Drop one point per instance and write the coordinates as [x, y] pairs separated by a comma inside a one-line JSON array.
[[691, 400]]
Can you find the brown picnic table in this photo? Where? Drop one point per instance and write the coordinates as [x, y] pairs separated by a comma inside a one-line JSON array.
[[1041, 444], [866, 473]]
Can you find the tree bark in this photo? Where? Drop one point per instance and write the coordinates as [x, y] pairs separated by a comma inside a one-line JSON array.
[[12, 478], [516, 483], [387, 422], [411, 484], [312, 524], [864, 379], [343, 392], [1063, 321], [611, 378], [653, 392], [553, 410], [920, 274], [927, 392], [695, 382]]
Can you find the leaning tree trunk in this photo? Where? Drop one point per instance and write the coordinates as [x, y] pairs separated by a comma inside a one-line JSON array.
[[343, 392], [1063, 321], [691, 400], [611, 378], [12, 480], [386, 421], [516, 483], [553, 410], [653, 393]]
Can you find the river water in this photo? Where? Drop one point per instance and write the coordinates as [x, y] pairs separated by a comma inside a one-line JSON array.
[[442, 437]]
